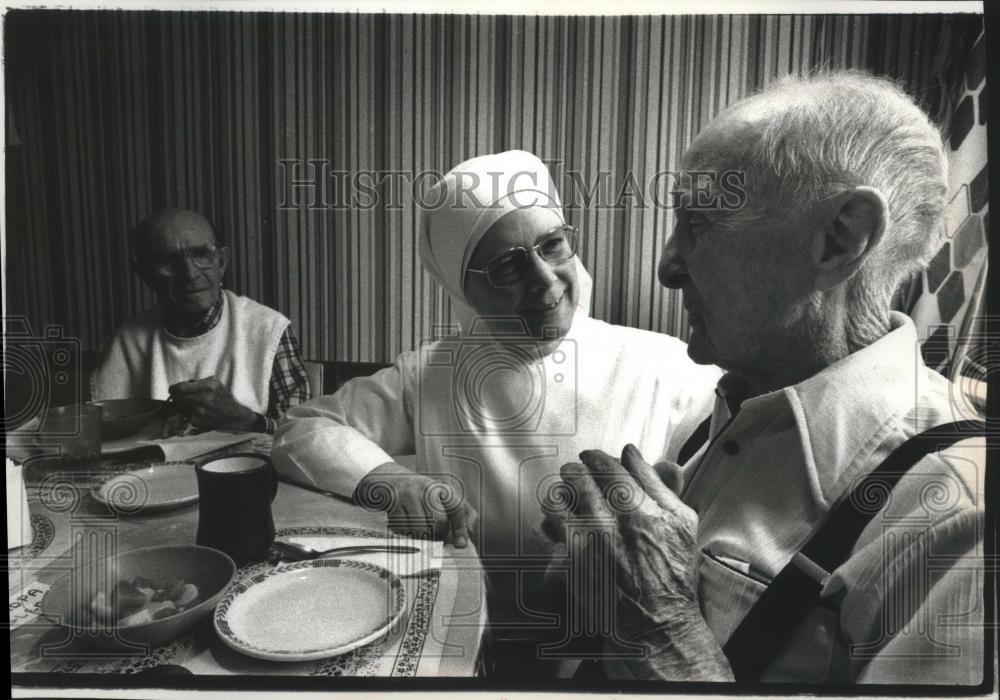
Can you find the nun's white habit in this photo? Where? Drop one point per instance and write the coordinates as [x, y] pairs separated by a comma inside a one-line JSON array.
[[476, 409]]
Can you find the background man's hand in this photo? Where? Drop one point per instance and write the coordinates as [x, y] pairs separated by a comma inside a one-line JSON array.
[[208, 403], [649, 534], [417, 505]]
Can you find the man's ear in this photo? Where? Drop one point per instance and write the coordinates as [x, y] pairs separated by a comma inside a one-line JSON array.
[[858, 222], [223, 259], [141, 270]]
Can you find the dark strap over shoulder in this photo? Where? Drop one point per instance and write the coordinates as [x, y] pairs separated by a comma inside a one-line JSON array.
[[792, 593], [698, 438]]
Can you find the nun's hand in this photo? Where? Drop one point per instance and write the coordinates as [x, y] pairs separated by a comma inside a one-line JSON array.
[[418, 505], [626, 522]]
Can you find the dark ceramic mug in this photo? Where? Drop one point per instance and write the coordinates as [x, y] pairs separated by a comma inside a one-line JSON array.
[[234, 505]]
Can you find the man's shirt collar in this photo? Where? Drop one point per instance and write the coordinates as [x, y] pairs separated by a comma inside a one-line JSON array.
[[209, 321], [843, 412]]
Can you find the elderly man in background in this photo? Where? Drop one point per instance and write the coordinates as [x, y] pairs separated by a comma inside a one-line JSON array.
[[226, 361], [777, 562]]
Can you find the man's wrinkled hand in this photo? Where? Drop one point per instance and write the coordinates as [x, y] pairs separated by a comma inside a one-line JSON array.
[[554, 504], [207, 403], [625, 519], [652, 535], [418, 505]]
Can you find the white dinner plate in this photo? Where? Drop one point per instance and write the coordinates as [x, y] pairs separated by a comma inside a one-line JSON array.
[[159, 486], [310, 609]]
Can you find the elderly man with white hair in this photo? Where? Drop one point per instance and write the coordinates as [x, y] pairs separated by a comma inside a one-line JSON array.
[[830, 528]]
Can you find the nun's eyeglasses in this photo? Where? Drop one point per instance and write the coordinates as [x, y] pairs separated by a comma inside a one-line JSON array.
[[507, 269]]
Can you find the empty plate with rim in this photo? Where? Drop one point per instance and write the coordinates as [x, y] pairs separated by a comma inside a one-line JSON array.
[[157, 486], [310, 610]]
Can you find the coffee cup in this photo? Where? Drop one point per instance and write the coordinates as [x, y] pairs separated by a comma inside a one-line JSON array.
[[234, 505]]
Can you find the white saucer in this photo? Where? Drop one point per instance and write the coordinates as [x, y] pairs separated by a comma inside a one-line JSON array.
[[159, 486]]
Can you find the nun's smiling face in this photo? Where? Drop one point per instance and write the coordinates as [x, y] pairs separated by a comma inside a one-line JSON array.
[[544, 295]]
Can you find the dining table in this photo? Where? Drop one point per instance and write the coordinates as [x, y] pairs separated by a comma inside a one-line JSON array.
[[440, 634]]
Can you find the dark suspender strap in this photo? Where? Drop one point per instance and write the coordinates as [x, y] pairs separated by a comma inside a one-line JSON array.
[[792, 593], [698, 438], [832, 544]]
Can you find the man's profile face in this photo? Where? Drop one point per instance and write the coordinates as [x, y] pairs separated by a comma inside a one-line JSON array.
[[742, 272], [180, 261]]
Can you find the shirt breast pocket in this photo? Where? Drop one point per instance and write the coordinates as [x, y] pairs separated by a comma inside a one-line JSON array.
[[809, 656], [726, 594]]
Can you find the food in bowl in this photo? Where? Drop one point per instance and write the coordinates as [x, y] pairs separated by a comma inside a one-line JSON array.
[[68, 603], [140, 601]]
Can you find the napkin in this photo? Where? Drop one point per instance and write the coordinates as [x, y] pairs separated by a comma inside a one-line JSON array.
[[178, 448], [18, 516], [429, 557]]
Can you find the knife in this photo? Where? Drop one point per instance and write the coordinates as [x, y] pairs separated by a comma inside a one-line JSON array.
[[290, 551]]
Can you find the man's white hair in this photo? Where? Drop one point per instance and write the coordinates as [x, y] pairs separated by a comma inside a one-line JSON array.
[[852, 128]]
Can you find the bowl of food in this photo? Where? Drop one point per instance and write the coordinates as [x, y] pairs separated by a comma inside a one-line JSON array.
[[140, 598], [124, 417]]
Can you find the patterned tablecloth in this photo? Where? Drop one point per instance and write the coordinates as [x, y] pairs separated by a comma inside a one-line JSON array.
[[421, 644], [57, 502]]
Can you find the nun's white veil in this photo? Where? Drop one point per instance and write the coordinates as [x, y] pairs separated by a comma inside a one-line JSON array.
[[468, 200]]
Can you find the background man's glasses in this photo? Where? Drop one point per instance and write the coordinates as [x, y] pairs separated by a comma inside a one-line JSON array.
[[555, 247], [202, 257]]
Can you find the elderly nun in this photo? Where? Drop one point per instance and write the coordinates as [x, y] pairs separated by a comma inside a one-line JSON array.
[[525, 382]]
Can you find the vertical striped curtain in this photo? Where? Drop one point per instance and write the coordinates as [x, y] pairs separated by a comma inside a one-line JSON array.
[[261, 120]]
